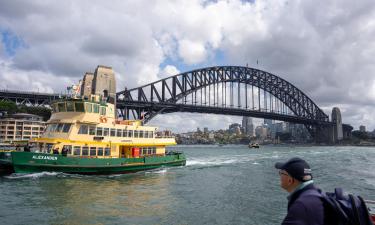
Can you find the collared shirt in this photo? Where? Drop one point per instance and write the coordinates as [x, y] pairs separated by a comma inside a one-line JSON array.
[[299, 187]]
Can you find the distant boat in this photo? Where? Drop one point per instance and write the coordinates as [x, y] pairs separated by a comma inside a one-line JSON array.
[[253, 145]]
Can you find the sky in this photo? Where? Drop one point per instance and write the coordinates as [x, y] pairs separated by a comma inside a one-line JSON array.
[[324, 48]]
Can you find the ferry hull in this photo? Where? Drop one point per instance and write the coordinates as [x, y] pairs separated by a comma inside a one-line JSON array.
[[27, 162], [6, 166]]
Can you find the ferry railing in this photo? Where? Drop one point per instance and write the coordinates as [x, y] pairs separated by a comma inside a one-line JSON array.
[[371, 207]]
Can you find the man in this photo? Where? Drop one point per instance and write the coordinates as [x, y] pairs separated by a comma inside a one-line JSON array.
[[304, 208]]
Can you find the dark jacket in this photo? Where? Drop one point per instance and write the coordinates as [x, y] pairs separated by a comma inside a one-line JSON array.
[[304, 208]]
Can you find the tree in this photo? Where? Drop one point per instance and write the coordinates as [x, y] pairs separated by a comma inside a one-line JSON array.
[[8, 106]]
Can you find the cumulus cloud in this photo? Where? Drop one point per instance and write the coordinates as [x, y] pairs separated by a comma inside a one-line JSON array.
[[327, 53]]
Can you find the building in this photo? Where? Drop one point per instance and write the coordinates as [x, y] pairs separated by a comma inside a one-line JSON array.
[[362, 128], [205, 130], [21, 127], [235, 128], [247, 126], [86, 89], [337, 128], [104, 83], [261, 132]]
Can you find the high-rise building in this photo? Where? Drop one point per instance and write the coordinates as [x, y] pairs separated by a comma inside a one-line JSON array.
[[205, 130], [362, 128], [337, 129], [247, 126]]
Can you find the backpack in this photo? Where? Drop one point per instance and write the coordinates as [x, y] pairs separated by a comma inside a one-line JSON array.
[[346, 209]]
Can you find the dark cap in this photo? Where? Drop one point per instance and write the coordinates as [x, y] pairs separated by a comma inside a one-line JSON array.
[[296, 168]]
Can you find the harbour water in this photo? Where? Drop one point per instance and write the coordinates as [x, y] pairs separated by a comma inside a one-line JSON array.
[[219, 185]]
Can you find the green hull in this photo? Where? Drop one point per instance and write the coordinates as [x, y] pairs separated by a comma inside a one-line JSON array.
[[29, 162], [6, 166]]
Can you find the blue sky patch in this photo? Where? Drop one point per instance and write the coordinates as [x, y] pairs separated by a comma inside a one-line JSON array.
[[11, 42]]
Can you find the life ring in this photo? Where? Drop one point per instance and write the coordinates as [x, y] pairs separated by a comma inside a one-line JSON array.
[[103, 119]]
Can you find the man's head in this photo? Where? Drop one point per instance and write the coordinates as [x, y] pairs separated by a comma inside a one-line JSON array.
[[293, 172]]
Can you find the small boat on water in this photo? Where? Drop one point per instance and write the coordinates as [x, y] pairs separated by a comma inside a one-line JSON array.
[[253, 145], [84, 136]]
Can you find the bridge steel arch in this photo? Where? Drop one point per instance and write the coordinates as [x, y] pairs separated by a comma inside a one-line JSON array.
[[162, 96]]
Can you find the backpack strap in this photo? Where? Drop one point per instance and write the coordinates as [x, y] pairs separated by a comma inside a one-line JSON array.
[[355, 209]]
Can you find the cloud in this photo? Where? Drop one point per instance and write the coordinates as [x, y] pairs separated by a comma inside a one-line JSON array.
[[328, 53]]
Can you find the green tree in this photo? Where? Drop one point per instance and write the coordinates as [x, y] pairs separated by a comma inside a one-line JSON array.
[[8, 106]]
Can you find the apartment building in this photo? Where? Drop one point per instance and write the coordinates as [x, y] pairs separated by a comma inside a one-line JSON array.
[[20, 127]]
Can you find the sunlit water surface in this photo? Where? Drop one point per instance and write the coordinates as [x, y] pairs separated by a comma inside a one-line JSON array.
[[219, 185]]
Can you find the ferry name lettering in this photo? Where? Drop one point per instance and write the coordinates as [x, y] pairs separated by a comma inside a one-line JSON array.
[[45, 157]]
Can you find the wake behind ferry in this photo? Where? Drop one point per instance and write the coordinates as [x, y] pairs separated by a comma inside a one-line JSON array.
[[83, 136]]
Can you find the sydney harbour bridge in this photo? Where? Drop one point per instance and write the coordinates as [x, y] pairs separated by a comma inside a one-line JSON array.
[[226, 90]]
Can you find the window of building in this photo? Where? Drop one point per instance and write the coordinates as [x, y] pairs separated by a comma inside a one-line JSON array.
[[99, 131], [113, 132], [77, 150], [66, 127], [92, 130], [105, 131], [61, 107], [107, 151], [83, 129], [79, 107], [119, 133], [92, 151], [85, 150], [100, 151]]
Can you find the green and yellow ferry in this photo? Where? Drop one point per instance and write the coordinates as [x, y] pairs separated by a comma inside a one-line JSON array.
[[83, 136]]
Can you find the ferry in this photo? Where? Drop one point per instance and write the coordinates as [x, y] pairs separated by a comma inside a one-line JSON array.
[[84, 136], [253, 145]]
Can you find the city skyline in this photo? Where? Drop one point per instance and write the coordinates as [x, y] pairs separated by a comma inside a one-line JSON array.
[[48, 46]]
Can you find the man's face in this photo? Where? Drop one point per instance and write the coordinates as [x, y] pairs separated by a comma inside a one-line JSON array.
[[285, 180]]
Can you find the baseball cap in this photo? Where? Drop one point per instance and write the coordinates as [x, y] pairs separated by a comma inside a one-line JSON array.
[[296, 168]]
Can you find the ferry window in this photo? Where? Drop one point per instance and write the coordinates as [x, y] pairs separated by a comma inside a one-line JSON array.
[[83, 129], [91, 130], [70, 106], [59, 127], [149, 151], [106, 131], [136, 134], [113, 132], [55, 107], [68, 148], [61, 107], [124, 133], [48, 147], [153, 150], [130, 133], [119, 133], [85, 150], [77, 150], [66, 127], [140, 133], [96, 108], [107, 151], [102, 111], [92, 151], [100, 151], [99, 131], [151, 134], [79, 107], [88, 107], [144, 151]]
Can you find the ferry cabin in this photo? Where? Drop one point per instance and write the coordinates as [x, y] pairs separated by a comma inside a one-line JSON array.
[[90, 129]]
